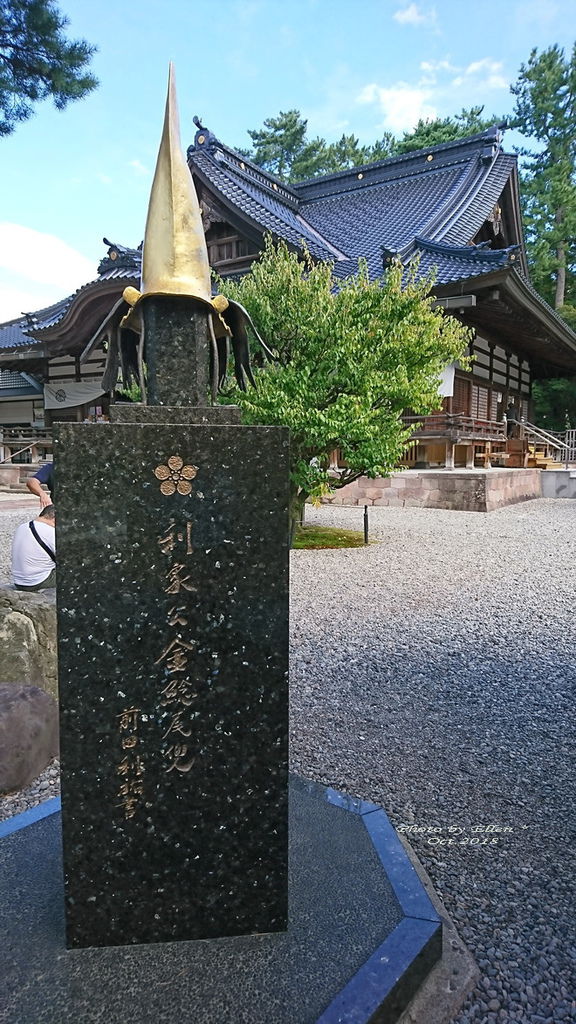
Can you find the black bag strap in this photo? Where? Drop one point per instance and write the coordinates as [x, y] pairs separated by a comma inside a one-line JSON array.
[[37, 537]]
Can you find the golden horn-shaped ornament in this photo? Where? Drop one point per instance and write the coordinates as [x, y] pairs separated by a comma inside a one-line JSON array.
[[175, 258]]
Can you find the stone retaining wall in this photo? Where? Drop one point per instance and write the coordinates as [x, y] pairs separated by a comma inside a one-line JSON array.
[[465, 490], [9, 474], [559, 483], [28, 638]]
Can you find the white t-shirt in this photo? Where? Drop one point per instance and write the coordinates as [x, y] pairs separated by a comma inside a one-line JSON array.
[[31, 565]]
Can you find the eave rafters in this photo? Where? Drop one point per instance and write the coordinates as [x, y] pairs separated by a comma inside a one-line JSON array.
[[509, 312]]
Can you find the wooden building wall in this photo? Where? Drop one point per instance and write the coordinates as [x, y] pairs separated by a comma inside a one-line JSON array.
[[496, 378]]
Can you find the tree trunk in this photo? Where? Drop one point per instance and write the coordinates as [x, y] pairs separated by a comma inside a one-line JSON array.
[[560, 276], [297, 502], [561, 259]]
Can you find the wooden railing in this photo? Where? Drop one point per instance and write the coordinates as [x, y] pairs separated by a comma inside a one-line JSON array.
[[15, 441], [566, 452], [455, 426]]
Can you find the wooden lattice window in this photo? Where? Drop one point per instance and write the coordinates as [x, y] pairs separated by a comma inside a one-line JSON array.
[[460, 400], [480, 402], [227, 249]]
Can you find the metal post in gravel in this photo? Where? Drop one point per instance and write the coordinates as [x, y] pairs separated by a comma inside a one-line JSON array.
[[365, 524]]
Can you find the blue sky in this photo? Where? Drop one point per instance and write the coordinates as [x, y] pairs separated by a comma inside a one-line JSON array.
[[68, 178]]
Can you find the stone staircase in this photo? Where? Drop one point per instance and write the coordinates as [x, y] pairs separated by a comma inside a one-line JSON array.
[[13, 476], [539, 459]]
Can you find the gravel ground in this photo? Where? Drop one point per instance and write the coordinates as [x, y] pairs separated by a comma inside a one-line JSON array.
[[432, 672]]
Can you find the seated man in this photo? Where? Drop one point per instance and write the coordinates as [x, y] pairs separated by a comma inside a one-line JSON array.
[[45, 475], [33, 552]]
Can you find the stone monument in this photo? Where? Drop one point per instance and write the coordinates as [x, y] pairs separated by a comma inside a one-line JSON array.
[[173, 626]]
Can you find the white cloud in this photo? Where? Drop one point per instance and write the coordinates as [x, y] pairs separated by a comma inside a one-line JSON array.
[[433, 69], [495, 82], [139, 168], [413, 15], [105, 179], [402, 105], [489, 68], [433, 66], [37, 269]]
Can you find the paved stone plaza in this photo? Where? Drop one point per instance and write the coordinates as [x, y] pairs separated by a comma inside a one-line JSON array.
[[432, 672]]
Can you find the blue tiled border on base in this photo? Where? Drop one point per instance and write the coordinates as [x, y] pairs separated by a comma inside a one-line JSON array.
[[29, 817], [384, 985]]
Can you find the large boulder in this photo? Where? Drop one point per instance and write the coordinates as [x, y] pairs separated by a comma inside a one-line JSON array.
[[28, 637], [28, 734]]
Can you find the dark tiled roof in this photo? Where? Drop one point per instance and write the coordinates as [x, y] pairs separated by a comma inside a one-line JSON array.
[[483, 146], [386, 214], [24, 330], [473, 213], [119, 261], [267, 205], [49, 316], [13, 384], [455, 263], [11, 379], [267, 202], [13, 336], [443, 194]]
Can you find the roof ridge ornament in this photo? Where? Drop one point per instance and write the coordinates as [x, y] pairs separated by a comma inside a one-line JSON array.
[[203, 139], [474, 251]]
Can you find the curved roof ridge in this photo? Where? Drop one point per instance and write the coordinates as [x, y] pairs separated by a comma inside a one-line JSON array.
[[471, 183], [492, 134], [120, 262], [455, 198], [266, 210], [207, 143], [480, 252]]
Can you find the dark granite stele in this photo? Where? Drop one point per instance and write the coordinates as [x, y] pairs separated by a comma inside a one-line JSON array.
[[172, 606], [362, 935], [220, 415]]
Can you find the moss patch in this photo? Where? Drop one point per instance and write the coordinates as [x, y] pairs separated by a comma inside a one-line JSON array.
[[327, 537]]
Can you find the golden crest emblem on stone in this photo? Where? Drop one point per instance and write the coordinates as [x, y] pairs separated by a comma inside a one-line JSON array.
[[175, 476]]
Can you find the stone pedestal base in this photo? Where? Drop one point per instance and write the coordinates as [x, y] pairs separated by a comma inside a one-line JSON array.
[[362, 935]]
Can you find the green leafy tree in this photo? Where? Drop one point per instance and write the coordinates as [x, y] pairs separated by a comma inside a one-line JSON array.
[[445, 129], [349, 361], [38, 61], [282, 148], [555, 403], [383, 148], [545, 111], [280, 143], [347, 153]]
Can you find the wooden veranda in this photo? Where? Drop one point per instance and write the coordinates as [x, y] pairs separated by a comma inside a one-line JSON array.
[[454, 439]]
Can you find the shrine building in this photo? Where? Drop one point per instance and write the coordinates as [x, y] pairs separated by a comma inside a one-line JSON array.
[[455, 206]]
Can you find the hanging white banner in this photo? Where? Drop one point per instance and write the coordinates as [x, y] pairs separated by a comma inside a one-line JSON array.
[[62, 394], [446, 388]]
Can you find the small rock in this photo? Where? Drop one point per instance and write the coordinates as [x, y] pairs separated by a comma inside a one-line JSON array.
[[28, 734]]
